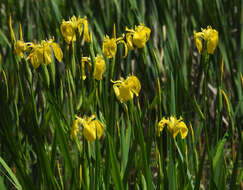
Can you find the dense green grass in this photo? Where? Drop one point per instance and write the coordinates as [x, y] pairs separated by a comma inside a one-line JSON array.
[[38, 106]]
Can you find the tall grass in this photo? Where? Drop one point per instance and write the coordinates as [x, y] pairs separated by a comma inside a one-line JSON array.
[[38, 106]]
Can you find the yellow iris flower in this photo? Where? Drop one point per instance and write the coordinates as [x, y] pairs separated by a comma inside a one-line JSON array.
[[137, 37], [124, 89], [69, 28], [99, 68], [41, 53], [174, 126], [92, 128], [109, 47], [210, 36]]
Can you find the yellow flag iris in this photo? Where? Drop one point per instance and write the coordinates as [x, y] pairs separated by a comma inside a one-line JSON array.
[[92, 128], [210, 36], [69, 28], [109, 47], [41, 53], [174, 126], [124, 89], [137, 37]]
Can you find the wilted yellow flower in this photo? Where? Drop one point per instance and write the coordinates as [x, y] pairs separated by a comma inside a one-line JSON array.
[[69, 28], [92, 128], [41, 53], [210, 36], [124, 89], [137, 37], [99, 68], [174, 126]]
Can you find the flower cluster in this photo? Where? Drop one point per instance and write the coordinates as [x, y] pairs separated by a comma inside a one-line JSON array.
[[92, 128], [137, 37], [210, 37]]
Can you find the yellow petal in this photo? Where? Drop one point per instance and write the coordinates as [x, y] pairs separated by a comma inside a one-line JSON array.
[[99, 128], [68, 31], [183, 129], [100, 67], [141, 36], [161, 125], [134, 84], [125, 93], [198, 42], [125, 46], [57, 51], [89, 131], [86, 30], [212, 42], [75, 128], [109, 47], [19, 48], [47, 55], [129, 41]]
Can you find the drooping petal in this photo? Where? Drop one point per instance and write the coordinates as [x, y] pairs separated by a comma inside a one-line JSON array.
[[47, 55], [183, 129], [161, 125], [57, 51], [100, 67], [89, 131], [75, 128], [212, 42], [134, 84], [109, 47], [125, 46], [129, 41], [68, 31], [99, 128]]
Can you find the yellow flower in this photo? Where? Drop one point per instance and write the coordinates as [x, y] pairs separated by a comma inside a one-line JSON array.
[[69, 28], [75, 129], [138, 37], [99, 68], [92, 128], [41, 53], [210, 36], [109, 47], [124, 89], [174, 126]]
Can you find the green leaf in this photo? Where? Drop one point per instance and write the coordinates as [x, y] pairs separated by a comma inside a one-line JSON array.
[[13, 178]]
